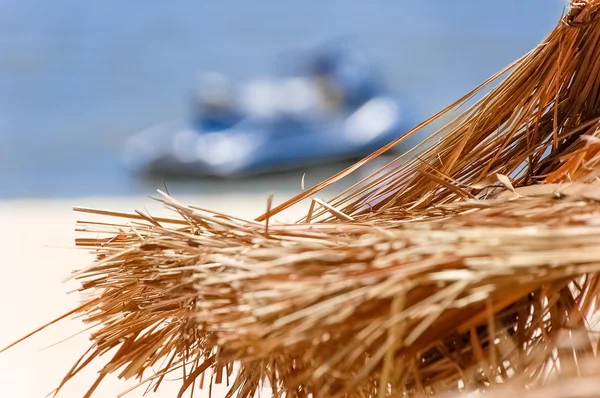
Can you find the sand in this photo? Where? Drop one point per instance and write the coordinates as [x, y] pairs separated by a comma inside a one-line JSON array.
[[37, 254]]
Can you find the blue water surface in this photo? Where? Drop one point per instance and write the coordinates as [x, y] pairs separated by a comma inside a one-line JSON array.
[[76, 77]]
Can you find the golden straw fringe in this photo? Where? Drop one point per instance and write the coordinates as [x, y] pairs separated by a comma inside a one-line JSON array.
[[469, 265]]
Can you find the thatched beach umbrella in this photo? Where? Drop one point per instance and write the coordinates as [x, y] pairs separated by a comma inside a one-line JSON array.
[[471, 263]]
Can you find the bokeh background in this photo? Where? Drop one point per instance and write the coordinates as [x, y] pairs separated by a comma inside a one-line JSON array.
[[77, 78]]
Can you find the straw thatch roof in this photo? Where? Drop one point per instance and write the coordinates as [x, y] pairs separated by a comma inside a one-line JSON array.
[[469, 264]]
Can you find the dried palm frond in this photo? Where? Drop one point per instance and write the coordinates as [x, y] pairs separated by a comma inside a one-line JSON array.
[[474, 264], [520, 128], [469, 294]]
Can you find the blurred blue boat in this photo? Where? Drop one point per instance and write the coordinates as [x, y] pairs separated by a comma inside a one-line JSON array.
[[335, 108]]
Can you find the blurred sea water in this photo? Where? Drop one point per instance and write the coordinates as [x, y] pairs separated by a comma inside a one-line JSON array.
[[77, 78]]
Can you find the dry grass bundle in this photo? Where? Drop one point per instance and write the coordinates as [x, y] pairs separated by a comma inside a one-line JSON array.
[[343, 308], [521, 128], [474, 264]]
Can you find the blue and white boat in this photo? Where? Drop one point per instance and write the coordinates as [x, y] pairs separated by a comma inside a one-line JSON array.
[[336, 108]]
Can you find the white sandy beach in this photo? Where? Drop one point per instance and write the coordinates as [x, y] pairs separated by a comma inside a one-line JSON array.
[[37, 242]]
